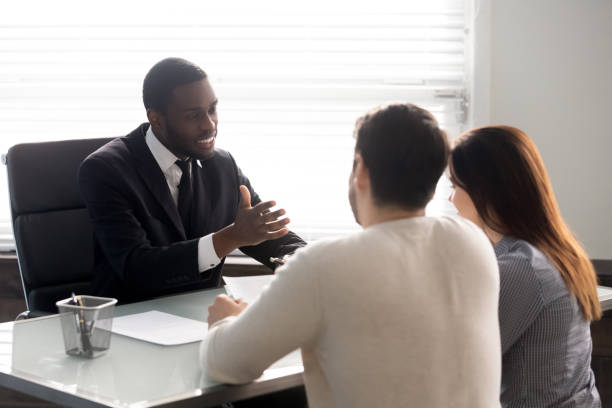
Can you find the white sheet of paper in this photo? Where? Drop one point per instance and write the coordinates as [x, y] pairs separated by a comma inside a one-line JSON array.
[[246, 287], [160, 328]]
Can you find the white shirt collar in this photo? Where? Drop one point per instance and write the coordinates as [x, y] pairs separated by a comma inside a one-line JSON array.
[[164, 157]]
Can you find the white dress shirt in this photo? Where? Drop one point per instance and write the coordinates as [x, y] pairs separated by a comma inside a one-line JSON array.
[[207, 257]]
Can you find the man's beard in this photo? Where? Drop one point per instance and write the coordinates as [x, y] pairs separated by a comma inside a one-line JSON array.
[[172, 135], [353, 201]]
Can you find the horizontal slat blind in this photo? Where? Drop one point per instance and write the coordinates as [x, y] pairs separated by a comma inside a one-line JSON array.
[[291, 80]]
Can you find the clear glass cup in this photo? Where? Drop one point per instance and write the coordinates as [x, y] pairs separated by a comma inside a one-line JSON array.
[[86, 324]]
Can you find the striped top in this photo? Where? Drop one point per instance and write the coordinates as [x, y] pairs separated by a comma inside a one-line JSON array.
[[546, 343]]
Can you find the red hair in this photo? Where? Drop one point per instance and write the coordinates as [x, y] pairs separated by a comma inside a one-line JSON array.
[[502, 171]]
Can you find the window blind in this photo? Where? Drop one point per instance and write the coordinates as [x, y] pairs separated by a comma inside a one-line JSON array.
[[291, 79]]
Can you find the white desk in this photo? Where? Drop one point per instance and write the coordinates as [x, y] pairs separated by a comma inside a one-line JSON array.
[[132, 373], [605, 297]]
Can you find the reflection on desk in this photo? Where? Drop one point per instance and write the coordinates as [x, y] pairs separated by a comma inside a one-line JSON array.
[[132, 373]]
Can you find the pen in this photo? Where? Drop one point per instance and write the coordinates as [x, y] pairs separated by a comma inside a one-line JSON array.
[[229, 293], [278, 261], [85, 343]]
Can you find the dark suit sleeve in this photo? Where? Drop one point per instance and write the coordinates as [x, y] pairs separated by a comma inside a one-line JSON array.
[[122, 238], [276, 247]]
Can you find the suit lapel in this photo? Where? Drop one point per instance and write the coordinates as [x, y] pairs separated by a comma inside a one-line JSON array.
[[152, 176]]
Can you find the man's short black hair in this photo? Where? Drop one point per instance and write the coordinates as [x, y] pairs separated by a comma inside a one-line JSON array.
[[166, 75], [405, 152]]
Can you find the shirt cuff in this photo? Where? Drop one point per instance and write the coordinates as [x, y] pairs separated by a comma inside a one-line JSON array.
[[207, 257]]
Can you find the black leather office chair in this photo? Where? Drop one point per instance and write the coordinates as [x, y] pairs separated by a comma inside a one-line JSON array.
[[53, 233]]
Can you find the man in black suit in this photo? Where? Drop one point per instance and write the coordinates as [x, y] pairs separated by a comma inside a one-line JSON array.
[[166, 205]]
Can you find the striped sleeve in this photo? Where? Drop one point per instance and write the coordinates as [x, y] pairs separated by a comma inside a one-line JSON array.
[[520, 299]]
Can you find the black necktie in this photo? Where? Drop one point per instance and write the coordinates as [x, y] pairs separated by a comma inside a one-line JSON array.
[[185, 196]]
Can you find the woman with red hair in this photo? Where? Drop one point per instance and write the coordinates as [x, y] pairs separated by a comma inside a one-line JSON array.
[[548, 287]]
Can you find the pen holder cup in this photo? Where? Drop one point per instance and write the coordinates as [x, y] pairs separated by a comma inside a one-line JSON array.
[[86, 325]]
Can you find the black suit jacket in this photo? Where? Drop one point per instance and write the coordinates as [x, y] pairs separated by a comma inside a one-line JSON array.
[[141, 250]]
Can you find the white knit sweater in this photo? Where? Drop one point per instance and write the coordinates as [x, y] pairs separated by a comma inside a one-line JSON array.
[[402, 314]]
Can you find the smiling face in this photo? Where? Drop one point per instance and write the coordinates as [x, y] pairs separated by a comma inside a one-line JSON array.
[[189, 127]]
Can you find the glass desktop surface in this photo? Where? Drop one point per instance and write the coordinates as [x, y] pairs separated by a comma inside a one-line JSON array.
[[604, 294], [132, 372]]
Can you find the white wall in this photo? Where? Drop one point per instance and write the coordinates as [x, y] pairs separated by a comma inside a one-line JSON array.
[[550, 74]]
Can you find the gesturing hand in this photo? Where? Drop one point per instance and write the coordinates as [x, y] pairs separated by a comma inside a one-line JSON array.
[[223, 307], [257, 224], [252, 225]]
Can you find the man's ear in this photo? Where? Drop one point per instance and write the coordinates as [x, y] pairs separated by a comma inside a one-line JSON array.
[[156, 119], [361, 173]]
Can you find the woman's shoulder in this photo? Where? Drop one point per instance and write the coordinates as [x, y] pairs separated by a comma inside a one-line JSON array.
[[522, 264], [513, 251]]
